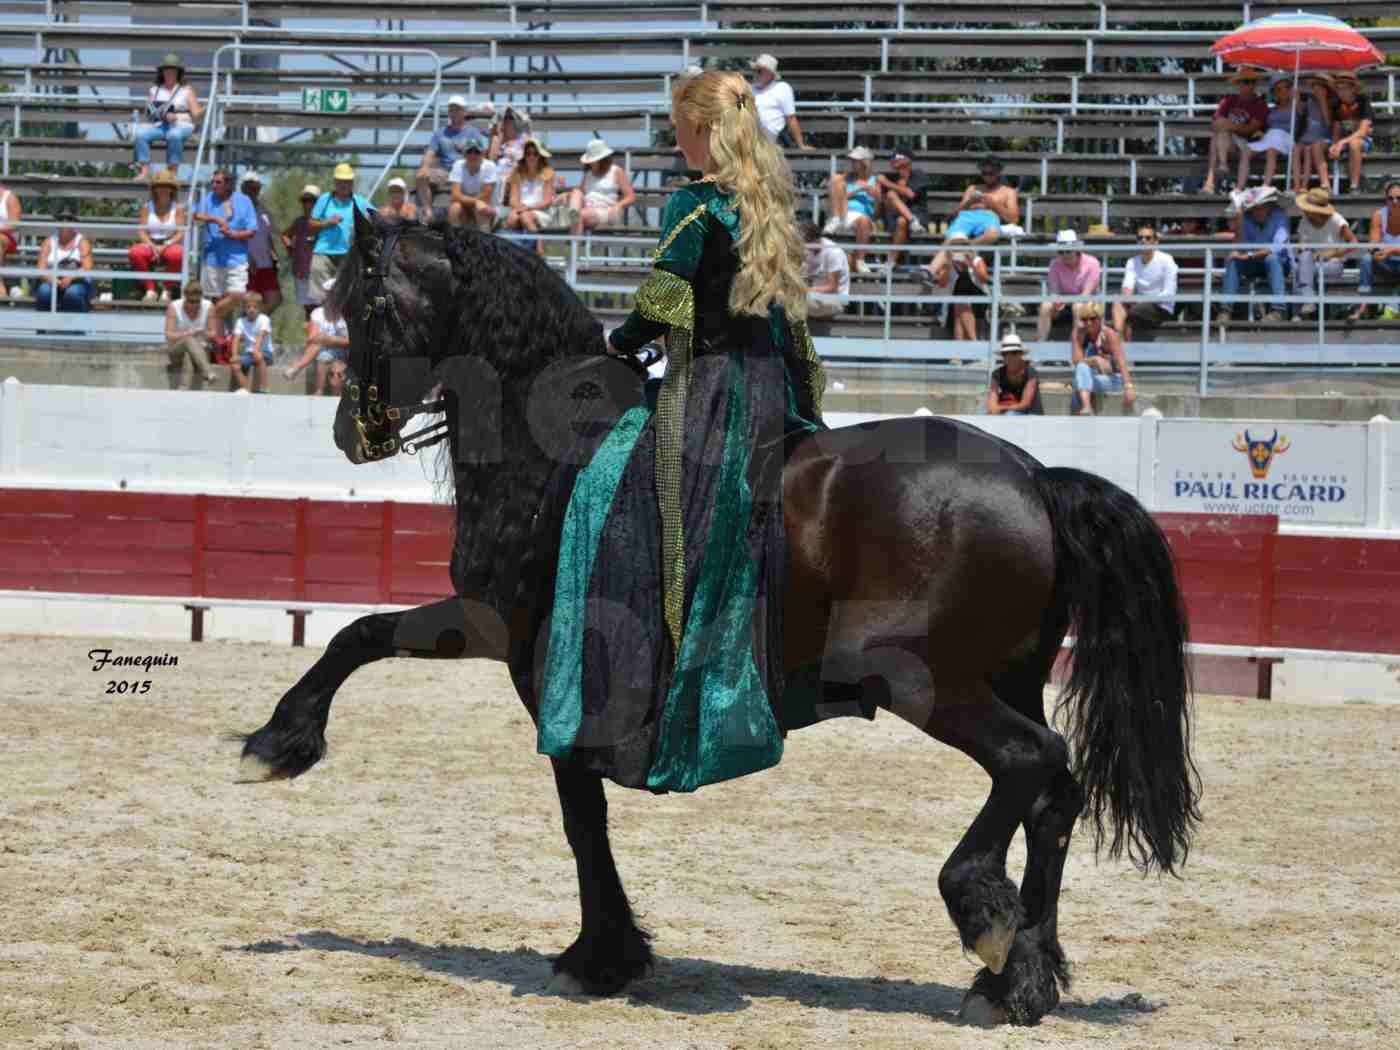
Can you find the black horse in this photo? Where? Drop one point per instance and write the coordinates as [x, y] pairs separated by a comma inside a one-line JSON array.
[[934, 571]]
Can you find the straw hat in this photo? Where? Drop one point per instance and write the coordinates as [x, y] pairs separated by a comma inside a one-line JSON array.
[[1324, 78], [343, 173], [597, 149], [1098, 229], [1346, 76], [1245, 74], [532, 141], [165, 177], [1317, 201], [171, 60]]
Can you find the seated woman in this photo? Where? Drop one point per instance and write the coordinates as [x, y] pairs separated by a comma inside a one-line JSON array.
[[398, 206], [1099, 360], [68, 250], [958, 271], [172, 107], [1286, 119], [327, 342], [606, 193], [853, 198], [530, 190], [162, 230], [1310, 150]]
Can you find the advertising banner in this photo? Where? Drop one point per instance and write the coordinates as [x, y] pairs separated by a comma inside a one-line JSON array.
[[1300, 471]]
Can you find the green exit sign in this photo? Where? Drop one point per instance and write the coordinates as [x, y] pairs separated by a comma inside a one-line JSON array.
[[325, 100]]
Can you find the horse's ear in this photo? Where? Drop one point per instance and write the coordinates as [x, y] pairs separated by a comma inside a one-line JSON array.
[[364, 233]]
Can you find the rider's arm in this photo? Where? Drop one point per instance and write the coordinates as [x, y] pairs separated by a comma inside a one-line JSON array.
[[666, 300]]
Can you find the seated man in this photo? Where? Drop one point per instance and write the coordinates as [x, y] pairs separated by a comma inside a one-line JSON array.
[[1072, 272], [1261, 221], [1237, 118], [1150, 273], [905, 192], [1353, 121], [1322, 224], [1100, 362], [984, 209], [1384, 254], [252, 344], [474, 188], [1015, 389], [444, 149], [69, 252], [828, 275], [327, 342], [187, 334]]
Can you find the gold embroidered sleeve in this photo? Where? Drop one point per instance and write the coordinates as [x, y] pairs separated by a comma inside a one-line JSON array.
[[815, 373]]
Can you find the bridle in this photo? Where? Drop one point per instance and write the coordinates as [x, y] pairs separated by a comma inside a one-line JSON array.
[[373, 410]]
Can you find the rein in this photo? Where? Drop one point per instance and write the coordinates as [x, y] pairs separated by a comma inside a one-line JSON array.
[[374, 411]]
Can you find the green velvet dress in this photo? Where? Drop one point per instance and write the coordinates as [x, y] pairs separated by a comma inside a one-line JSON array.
[[664, 664]]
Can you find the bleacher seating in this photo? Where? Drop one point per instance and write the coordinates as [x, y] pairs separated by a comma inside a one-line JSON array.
[[1089, 133]]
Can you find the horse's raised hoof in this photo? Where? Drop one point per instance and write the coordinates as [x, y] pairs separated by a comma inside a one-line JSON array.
[[995, 945], [977, 1009]]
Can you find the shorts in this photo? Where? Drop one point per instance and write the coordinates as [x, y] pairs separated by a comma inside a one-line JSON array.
[[11, 245], [1365, 144], [844, 225], [1148, 315], [246, 358], [892, 217], [823, 305], [264, 280], [327, 354], [303, 293], [1273, 139], [224, 280], [323, 270], [1316, 133], [974, 223]]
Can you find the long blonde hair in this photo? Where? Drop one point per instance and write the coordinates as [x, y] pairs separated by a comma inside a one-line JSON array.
[[745, 163]]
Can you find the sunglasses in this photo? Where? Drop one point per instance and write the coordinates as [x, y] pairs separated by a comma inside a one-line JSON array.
[[1065, 253], [1147, 240], [1394, 198]]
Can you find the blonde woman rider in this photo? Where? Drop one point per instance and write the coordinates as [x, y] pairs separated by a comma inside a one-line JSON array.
[[667, 613]]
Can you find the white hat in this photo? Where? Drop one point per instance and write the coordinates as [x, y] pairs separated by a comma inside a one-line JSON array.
[[398, 184], [691, 70], [1011, 344], [767, 62], [1068, 237], [457, 100], [860, 153], [250, 176], [310, 190], [597, 150]]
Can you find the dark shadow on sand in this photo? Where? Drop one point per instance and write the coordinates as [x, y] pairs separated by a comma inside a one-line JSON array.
[[680, 985]]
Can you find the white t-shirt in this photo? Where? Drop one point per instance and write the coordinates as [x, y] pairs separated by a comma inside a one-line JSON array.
[[775, 105], [250, 333], [1331, 230], [335, 328], [827, 260], [472, 184], [1155, 278]]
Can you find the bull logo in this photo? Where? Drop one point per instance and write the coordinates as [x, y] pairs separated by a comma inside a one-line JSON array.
[[1261, 453]]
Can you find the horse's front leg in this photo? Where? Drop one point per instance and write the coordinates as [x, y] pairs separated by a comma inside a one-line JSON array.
[[611, 949], [294, 738]]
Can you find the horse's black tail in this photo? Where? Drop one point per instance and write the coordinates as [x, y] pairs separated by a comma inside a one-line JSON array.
[[1126, 707]]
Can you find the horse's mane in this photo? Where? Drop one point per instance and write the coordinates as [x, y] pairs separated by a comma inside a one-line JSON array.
[[510, 311]]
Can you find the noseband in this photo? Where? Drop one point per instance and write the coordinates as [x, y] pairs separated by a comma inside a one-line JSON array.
[[374, 412]]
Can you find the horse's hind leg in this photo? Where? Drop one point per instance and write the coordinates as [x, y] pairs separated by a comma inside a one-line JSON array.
[[611, 949]]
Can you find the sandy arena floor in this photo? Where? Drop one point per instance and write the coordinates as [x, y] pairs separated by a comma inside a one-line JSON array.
[[412, 888]]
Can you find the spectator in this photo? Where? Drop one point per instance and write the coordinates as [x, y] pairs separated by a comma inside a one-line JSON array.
[[172, 107], [399, 206], [1352, 121], [1262, 221], [507, 146], [905, 193], [606, 192], [327, 342], [1237, 118], [1285, 119], [984, 208], [1321, 224], [474, 180], [262, 250], [9, 244], [333, 222], [188, 334], [1150, 273], [958, 271], [1015, 389], [336, 378], [1099, 360], [853, 200], [230, 223], [1072, 272], [1384, 253], [298, 239], [1310, 152], [445, 149], [252, 344], [160, 237], [67, 250], [828, 275], [530, 190], [777, 108]]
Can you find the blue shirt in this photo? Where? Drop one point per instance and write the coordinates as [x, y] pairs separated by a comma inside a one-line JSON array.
[[336, 240], [220, 250], [447, 144], [1273, 230]]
